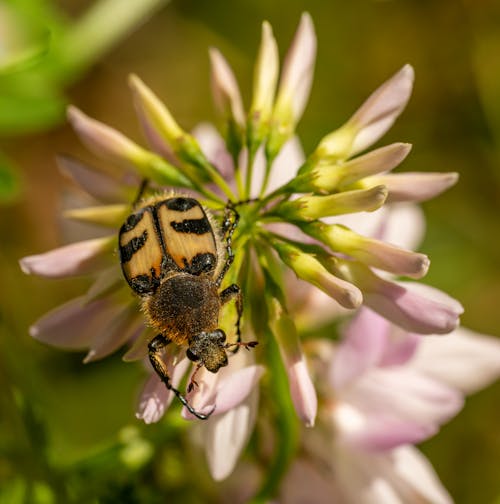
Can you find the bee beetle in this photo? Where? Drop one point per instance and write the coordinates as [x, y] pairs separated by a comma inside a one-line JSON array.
[[172, 255]]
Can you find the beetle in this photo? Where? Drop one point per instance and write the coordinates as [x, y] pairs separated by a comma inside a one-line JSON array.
[[172, 256]]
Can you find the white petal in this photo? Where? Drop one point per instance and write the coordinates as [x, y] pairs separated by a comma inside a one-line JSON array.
[[418, 474], [226, 435], [463, 359]]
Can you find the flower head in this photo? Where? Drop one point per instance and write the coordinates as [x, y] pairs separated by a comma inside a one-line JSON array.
[[293, 217]]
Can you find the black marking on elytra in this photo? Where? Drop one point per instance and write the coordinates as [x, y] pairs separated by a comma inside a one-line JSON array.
[[181, 204], [128, 250], [145, 284], [132, 221], [201, 263], [192, 226]]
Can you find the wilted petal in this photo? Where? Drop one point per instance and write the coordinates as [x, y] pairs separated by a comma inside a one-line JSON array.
[[226, 435], [464, 359], [125, 325], [75, 259], [381, 109], [98, 185], [413, 186], [73, 325], [155, 398], [225, 88]]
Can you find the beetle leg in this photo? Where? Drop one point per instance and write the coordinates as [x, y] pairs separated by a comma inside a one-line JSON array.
[[234, 291], [192, 382], [141, 191], [229, 224], [156, 347]]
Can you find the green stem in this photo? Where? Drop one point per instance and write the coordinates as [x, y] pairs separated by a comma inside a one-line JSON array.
[[287, 426], [248, 182]]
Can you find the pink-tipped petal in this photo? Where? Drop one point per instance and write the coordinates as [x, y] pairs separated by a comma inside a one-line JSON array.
[[225, 89], [414, 186], [401, 347], [381, 109], [464, 359], [71, 260], [303, 392], [415, 307], [298, 70]]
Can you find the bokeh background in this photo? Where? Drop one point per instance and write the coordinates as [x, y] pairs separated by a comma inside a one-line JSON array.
[[67, 431]]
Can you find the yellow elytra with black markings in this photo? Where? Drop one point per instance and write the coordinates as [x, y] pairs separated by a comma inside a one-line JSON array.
[[172, 255]]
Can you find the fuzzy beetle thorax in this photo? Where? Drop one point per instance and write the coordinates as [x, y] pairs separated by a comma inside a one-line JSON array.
[[184, 306]]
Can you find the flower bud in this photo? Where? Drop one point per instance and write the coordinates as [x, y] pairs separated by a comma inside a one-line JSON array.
[[264, 87], [412, 186], [307, 267], [105, 215], [427, 312], [372, 252], [113, 146], [294, 87], [310, 208], [302, 389], [370, 121]]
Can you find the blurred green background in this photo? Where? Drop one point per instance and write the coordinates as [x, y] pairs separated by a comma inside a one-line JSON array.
[[67, 431]]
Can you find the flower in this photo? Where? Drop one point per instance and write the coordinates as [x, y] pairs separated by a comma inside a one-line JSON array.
[[285, 203], [384, 390]]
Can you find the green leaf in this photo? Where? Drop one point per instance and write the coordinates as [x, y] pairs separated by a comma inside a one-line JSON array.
[[10, 183]]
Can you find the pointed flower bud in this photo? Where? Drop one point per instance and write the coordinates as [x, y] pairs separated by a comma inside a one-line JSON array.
[[412, 186], [225, 89], [302, 389], [326, 178], [372, 252], [228, 101], [264, 86], [307, 267], [295, 85], [115, 147], [310, 208], [371, 121]]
